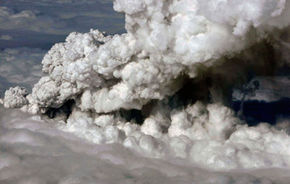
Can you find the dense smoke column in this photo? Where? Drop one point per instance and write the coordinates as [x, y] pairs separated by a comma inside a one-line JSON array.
[[166, 43]]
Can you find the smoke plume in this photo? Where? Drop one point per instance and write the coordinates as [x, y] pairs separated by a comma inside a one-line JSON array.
[[164, 87]]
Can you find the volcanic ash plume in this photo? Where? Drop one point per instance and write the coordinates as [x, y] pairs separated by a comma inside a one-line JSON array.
[[163, 88]]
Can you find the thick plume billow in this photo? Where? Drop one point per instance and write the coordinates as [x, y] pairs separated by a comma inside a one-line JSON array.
[[172, 74]]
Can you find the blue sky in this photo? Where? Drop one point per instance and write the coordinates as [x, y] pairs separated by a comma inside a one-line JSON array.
[[41, 23], [29, 28]]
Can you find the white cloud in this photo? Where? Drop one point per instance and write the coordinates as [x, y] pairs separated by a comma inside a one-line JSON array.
[[34, 152], [6, 37]]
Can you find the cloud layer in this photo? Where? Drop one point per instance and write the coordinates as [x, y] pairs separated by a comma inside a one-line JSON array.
[[34, 152]]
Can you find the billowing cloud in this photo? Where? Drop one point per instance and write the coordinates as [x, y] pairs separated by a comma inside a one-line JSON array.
[[151, 60], [34, 152]]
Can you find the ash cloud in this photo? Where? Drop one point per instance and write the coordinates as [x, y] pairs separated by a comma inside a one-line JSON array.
[[213, 46], [146, 63]]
